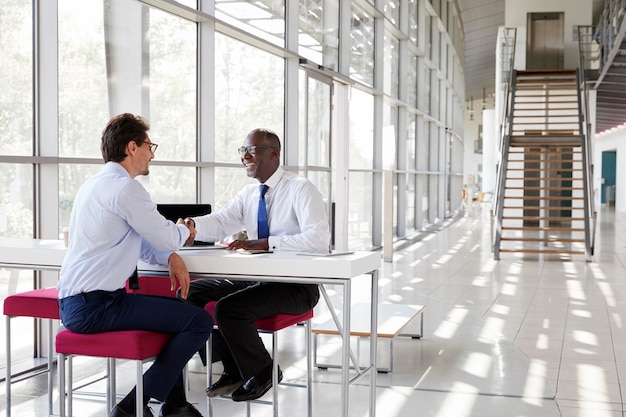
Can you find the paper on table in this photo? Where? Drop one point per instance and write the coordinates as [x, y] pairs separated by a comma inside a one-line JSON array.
[[325, 254]]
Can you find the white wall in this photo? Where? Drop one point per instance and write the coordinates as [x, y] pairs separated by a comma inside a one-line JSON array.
[[613, 141], [472, 160], [576, 12]]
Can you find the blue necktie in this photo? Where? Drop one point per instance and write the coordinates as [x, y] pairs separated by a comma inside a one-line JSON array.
[[263, 227]]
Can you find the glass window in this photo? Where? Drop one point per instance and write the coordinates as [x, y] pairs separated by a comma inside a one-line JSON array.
[[362, 46], [410, 203], [16, 94], [262, 18], [426, 90], [318, 37], [391, 65], [361, 147], [422, 184], [411, 128], [16, 200], [412, 81], [228, 182], [392, 11], [245, 99], [172, 86], [83, 92], [71, 177], [168, 184], [360, 210], [321, 180], [413, 19], [390, 136], [318, 150]]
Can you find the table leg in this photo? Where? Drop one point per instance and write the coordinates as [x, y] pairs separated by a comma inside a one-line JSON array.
[[374, 343]]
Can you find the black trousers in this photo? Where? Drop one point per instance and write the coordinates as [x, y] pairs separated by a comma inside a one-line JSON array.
[[239, 305]]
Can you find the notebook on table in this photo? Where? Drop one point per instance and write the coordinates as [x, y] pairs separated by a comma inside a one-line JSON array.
[[174, 212]]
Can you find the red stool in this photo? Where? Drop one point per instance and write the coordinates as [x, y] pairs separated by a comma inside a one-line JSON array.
[[272, 325], [39, 304], [154, 285], [137, 345]]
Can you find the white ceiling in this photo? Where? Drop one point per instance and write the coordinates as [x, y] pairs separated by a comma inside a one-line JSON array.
[[481, 19]]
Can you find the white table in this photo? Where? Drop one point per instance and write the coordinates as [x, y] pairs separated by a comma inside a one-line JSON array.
[[275, 267]]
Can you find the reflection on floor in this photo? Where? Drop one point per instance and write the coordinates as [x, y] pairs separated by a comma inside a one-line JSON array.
[[532, 336]]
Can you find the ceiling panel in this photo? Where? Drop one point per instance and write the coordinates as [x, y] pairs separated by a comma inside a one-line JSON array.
[[481, 20]]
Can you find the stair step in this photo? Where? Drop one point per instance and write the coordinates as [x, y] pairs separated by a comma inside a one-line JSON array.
[[547, 144], [547, 251], [543, 169], [548, 198], [544, 208], [538, 188], [560, 150], [543, 104], [546, 98], [543, 177], [544, 229], [539, 218], [538, 239]]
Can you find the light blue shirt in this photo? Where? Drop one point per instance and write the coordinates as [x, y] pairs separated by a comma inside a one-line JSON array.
[[296, 214], [113, 224]]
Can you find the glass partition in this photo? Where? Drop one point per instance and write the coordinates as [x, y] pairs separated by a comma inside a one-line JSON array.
[[16, 78]]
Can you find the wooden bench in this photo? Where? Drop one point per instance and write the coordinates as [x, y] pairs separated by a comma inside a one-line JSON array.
[[393, 319]]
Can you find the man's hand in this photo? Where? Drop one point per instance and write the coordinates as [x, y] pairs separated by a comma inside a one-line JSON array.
[[258, 244], [191, 225], [178, 274]]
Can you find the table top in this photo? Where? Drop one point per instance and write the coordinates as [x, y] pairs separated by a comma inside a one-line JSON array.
[[49, 254]]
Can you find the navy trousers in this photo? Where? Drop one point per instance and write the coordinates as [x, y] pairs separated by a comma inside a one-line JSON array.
[[104, 311]]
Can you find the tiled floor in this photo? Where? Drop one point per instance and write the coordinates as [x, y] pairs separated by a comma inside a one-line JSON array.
[[532, 336]]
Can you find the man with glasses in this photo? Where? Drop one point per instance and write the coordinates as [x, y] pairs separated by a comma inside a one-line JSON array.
[[113, 224], [293, 219]]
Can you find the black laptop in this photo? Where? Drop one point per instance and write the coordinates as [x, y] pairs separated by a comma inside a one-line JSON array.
[[174, 212]]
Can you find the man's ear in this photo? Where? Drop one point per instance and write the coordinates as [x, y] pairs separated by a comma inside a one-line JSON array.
[[131, 147]]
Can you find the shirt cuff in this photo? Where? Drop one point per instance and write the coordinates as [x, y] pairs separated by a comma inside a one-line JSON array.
[[273, 242]]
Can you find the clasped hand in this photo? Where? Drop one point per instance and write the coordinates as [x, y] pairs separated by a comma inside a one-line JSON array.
[[192, 230]]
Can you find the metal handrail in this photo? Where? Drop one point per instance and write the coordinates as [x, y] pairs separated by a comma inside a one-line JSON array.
[[586, 59], [508, 80]]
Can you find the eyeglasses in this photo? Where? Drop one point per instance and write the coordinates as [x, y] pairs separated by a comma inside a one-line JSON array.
[[152, 146], [251, 149]]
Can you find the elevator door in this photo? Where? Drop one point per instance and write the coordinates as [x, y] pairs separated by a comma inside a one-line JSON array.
[[544, 41]]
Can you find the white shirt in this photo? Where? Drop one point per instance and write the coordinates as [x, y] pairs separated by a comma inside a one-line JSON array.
[[114, 222], [295, 212]]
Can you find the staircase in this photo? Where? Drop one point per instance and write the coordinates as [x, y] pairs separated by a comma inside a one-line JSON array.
[[542, 197]]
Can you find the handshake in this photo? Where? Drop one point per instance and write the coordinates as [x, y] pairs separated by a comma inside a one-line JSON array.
[[191, 225]]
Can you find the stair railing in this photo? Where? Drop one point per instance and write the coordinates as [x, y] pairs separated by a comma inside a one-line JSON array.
[[586, 59], [507, 37]]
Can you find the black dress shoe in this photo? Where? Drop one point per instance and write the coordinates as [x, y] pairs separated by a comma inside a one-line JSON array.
[[224, 386], [119, 412], [187, 410], [256, 386]]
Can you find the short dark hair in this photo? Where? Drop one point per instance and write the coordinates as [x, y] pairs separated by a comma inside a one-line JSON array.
[[268, 135], [120, 130]]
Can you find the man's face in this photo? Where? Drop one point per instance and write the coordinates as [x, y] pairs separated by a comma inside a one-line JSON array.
[[144, 156], [262, 163]]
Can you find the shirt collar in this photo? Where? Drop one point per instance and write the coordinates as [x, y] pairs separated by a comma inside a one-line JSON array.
[[275, 178]]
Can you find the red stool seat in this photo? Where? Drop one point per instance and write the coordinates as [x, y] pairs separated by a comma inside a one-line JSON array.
[[127, 344], [273, 323], [137, 345], [40, 303], [154, 285]]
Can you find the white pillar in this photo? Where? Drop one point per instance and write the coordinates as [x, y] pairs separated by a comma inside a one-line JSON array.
[[490, 145]]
